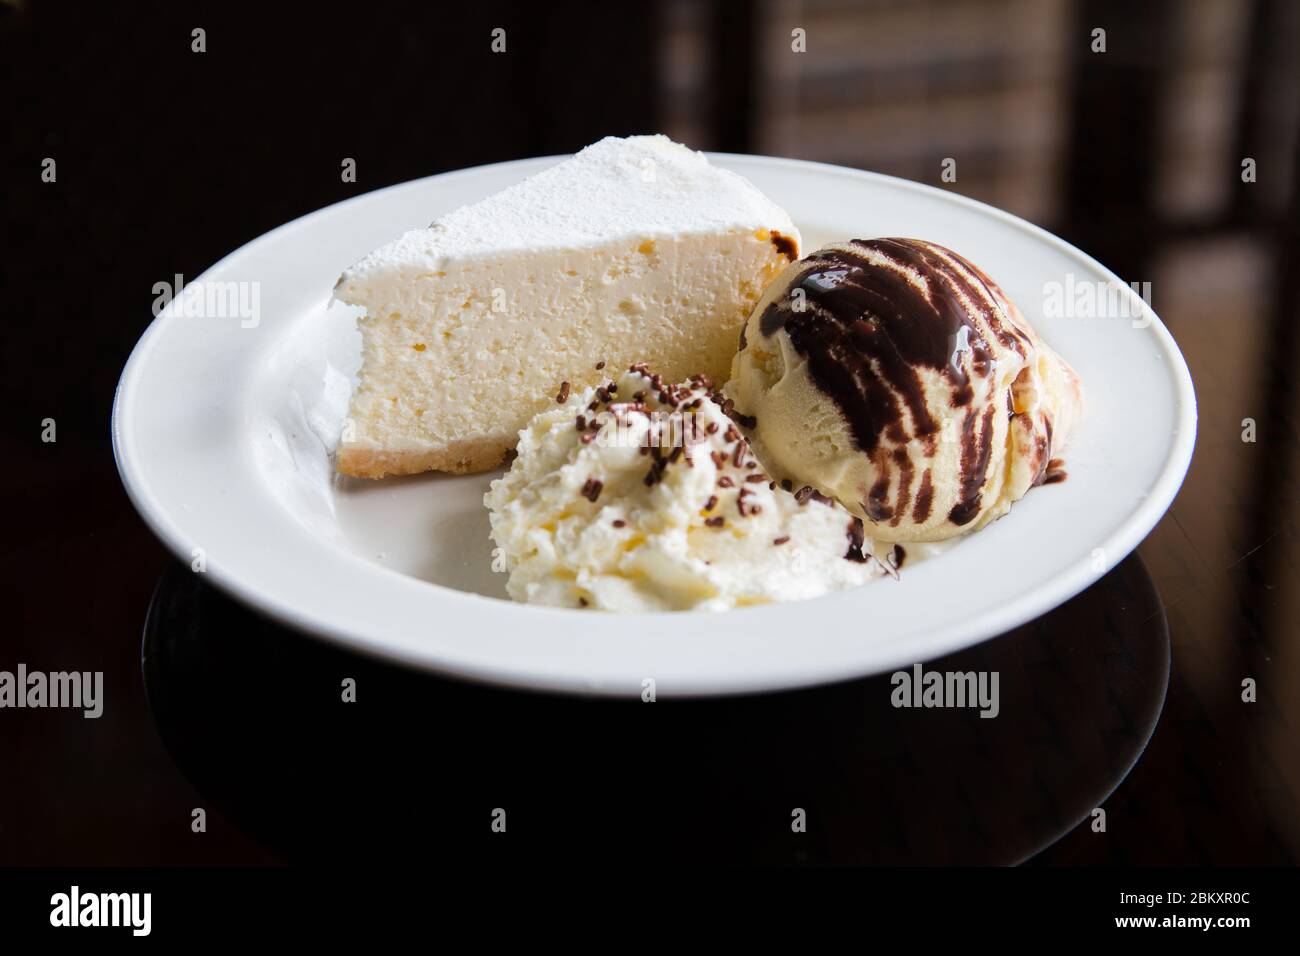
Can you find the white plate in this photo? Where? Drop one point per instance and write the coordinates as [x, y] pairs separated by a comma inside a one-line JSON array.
[[222, 433]]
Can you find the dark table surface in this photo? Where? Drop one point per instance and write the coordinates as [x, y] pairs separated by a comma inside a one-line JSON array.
[[209, 705], [1127, 698]]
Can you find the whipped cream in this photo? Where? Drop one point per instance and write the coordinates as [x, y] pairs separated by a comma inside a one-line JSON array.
[[639, 495]]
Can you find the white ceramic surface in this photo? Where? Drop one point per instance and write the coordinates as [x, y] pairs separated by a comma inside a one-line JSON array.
[[222, 431]]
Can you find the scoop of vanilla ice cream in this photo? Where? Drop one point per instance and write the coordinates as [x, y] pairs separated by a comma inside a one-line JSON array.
[[643, 496], [896, 377]]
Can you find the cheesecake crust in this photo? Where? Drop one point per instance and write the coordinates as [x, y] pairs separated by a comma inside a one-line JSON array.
[[459, 458]]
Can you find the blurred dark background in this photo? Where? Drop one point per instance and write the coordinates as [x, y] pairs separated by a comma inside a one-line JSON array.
[[168, 159]]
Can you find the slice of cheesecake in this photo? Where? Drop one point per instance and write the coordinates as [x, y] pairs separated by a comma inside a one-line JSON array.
[[634, 250]]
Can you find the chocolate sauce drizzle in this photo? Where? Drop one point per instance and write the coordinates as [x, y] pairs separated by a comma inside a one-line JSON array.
[[785, 245], [866, 327], [1054, 473]]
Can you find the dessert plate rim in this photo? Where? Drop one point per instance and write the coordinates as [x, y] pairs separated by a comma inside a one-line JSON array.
[[533, 647]]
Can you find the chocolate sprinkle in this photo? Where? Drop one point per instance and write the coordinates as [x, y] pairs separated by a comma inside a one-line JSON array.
[[563, 397], [809, 493], [857, 537]]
